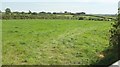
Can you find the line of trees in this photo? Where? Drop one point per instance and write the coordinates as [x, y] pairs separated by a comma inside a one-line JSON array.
[[8, 14], [41, 15]]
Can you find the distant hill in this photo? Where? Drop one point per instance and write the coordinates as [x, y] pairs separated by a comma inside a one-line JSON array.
[[104, 14]]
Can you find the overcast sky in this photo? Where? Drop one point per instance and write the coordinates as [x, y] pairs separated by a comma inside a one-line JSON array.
[[88, 6]]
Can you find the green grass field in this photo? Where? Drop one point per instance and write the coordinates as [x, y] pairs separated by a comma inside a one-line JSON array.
[[54, 41]]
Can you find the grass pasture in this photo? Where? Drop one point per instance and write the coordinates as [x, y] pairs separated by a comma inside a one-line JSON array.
[[54, 41]]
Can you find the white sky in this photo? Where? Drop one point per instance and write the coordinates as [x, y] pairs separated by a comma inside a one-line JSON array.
[[88, 6], [105, 1]]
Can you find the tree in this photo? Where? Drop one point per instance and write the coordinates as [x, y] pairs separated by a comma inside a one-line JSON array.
[[22, 12], [81, 13], [65, 12], [42, 12], [0, 14], [0, 11], [7, 11], [34, 13], [48, 12], [29, 12], [81, 18], [54, 13]]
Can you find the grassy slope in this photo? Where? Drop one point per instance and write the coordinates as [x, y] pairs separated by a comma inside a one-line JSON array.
[[54, 41]]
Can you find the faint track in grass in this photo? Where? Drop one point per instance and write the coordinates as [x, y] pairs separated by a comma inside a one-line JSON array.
[[48, 49]]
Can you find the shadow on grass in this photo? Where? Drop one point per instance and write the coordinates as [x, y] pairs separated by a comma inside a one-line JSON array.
[[111, 56]]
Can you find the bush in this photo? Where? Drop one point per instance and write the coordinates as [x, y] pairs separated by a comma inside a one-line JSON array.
[[81, 18]]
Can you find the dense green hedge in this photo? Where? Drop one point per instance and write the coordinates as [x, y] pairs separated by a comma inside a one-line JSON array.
[[18, 15]]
